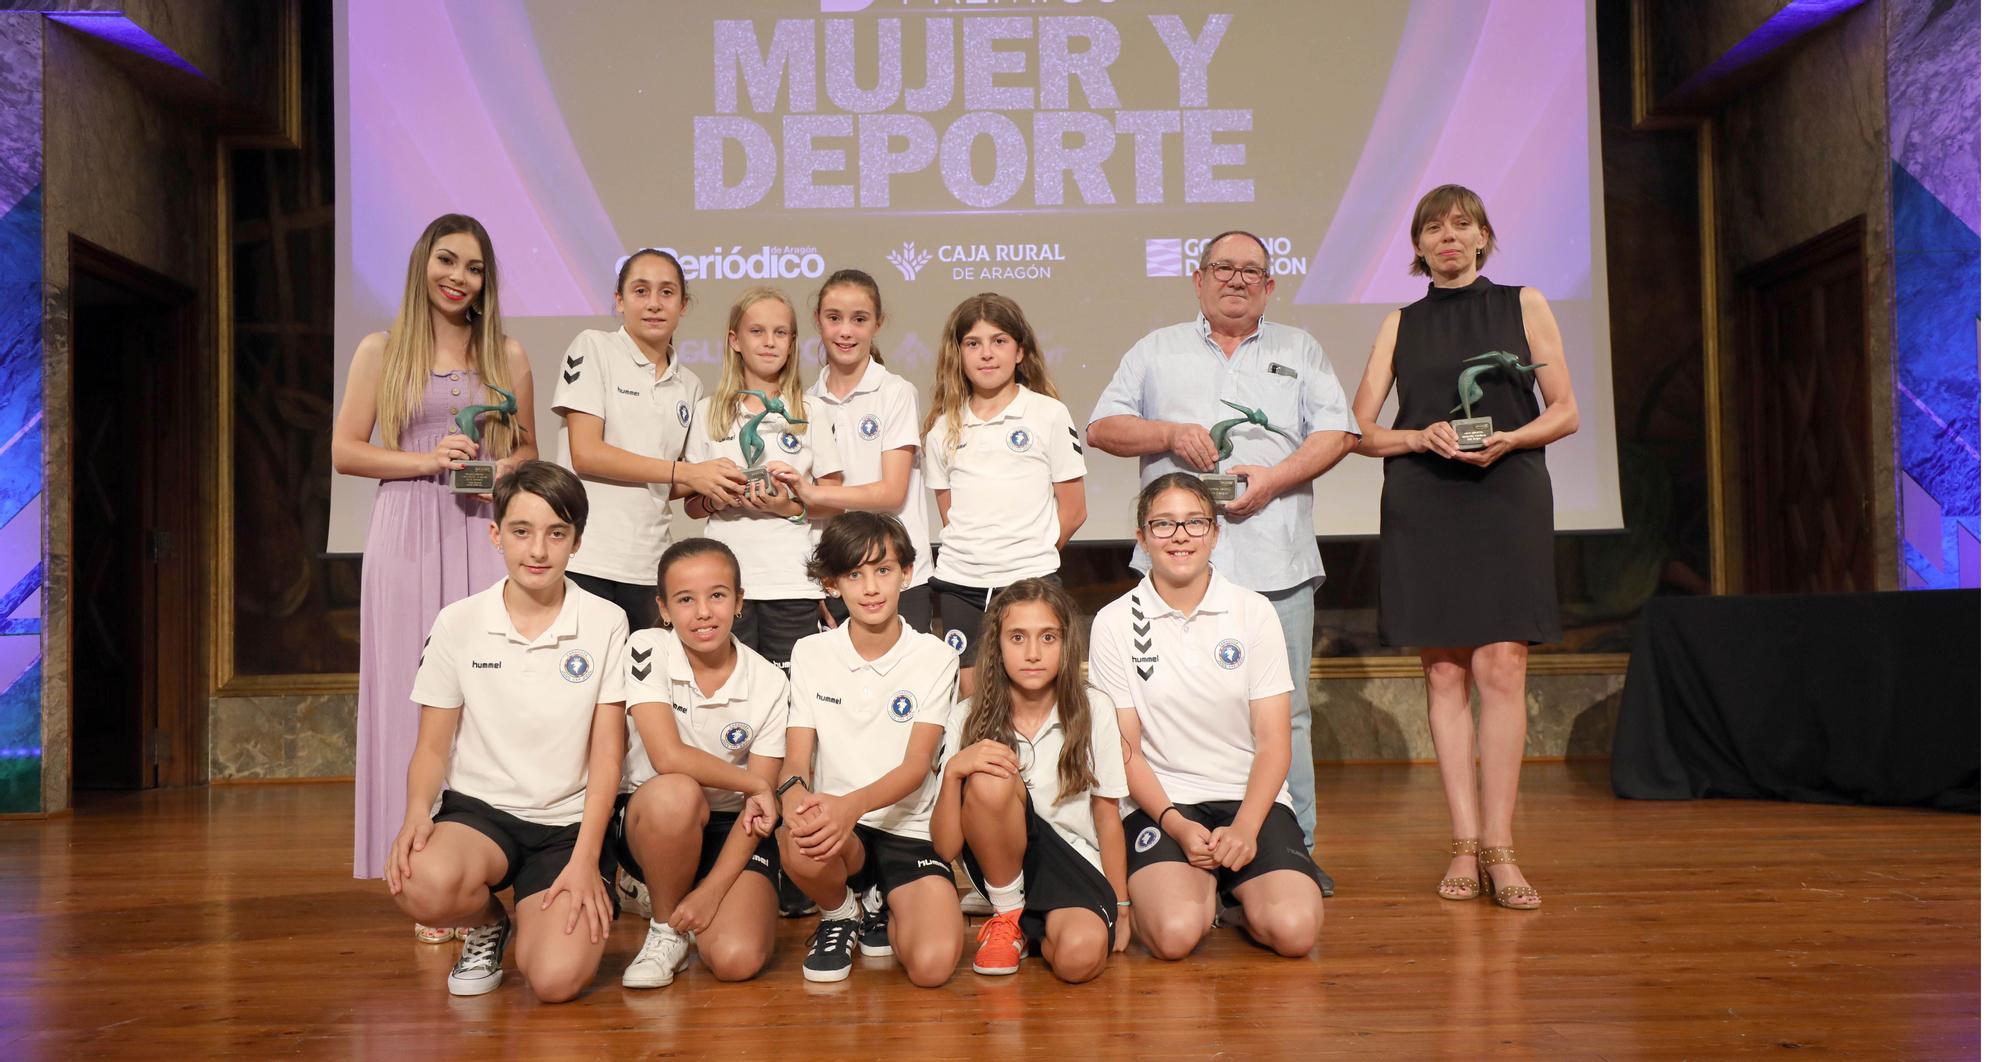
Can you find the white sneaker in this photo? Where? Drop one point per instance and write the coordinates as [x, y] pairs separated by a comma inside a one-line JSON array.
[[478, 969], [634, 897], [665, 953], [975, 904]]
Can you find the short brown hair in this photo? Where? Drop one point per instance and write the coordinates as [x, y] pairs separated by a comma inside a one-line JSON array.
[[1174, 481], [855, 538], [550, 482], [1437, 204]]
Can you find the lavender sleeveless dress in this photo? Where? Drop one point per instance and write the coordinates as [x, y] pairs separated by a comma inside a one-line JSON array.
[[427, 547]]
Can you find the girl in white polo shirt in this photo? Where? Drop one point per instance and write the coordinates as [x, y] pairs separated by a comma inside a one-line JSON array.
[[767, 525], [707, 739], [871, 414], [627, 409], [1029, 791], [524, 729], [1003, 455], [869, 703], [1196, 666]]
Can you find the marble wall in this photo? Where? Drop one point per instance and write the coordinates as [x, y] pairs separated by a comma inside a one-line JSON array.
[[1933, 101], [281, 737], [23, 565]]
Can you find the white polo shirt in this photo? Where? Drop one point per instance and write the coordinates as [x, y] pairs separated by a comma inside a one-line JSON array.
[[879, 414], [864, 711], [744, 716], [1192, 681], [1041, 768], [523, 741], [772, 549], [1003, 524], [606, 375]]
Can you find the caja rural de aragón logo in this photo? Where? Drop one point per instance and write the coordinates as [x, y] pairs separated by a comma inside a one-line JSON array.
[[982, 261]]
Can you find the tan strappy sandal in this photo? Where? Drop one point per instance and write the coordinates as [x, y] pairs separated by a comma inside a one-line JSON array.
[[1461, 888], [1512, 897]]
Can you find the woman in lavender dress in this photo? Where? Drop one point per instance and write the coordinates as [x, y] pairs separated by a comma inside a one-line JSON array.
[[427, 547]]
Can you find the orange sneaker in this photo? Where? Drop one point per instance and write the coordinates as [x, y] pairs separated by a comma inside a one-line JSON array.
[[1001, 945]]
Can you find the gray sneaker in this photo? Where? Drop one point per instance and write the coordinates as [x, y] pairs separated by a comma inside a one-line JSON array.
[[478, 968]]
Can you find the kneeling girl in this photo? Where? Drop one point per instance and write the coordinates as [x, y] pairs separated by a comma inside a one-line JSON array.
[[1196, 666], [1030, 789], [708, 737], [869, 699]]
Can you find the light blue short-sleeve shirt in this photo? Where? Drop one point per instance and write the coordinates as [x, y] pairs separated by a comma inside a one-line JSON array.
[[1179, 374]]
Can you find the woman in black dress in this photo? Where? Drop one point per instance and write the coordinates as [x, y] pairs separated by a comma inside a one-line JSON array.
[[1468, 536]]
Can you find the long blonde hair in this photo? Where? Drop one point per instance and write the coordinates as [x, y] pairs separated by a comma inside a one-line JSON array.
[[992, 703], [951, 392], [406, 360], [727, 405]]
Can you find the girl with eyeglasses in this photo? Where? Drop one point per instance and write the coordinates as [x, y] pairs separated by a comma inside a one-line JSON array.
[[1196, 667], [1033, 771]]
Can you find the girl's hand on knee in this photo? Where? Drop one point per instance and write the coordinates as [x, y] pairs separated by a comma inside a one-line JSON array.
[[696, 911], [984, 757], [411, 838], [1121, 933], [835, 825], [588, 903]]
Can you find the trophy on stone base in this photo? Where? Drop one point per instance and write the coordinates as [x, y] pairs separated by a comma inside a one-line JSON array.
[[1223, 486], [1472, 431], [478, 477], [752, 444]]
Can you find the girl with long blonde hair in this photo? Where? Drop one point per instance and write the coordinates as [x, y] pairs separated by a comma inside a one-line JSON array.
[[427, 546], [765, 524], [1033, 771], [1004, 457]]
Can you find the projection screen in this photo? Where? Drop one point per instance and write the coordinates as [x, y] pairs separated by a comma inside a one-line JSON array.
[[1070, 153]]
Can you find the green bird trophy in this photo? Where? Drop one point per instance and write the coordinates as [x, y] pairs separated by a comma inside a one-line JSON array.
[[752, 444], [478, 477], [1472, 431], [1224, 487]]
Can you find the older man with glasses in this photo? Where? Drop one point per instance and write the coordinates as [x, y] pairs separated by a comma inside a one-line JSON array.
[[1169, 392]]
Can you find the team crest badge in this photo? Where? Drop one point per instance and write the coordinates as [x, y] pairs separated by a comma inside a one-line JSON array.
[[684, 413], [1229, 654], [735, 736], [1018, 442], [576, 666], [789, 442], [1147, 838], [955, 639], [902, 707], [870, 427]]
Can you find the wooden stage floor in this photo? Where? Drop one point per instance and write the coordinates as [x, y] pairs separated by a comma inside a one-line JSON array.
[[222, 922]]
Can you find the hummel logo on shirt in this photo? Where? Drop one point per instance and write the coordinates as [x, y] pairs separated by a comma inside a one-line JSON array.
[[827, 699], [485, 665], [623, 391]]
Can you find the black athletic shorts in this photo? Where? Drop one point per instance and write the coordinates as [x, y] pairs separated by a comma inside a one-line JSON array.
[[639, 601], [536, 854], [771, 628], [962, 612], [1057, 876], [1281, 845], [894, 861], [763, 858], [914, 606]]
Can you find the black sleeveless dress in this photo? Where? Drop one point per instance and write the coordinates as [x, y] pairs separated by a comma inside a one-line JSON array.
[[1468, 553]]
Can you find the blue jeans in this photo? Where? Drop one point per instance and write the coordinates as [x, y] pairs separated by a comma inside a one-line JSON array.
[[1295, 618]]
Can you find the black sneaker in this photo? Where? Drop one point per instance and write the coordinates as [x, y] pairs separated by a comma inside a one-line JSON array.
[[1325, 880], [875, 929], [830, 953], [791, 902]]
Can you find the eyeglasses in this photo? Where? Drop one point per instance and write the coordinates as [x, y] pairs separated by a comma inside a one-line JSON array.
[[1197, 527], [1223, 273]]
